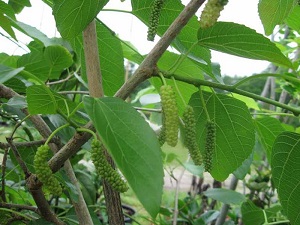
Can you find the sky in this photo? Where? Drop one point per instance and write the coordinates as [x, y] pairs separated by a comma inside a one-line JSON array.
[[131, 29]]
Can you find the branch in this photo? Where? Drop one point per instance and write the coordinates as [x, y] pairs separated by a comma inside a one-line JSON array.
[[17, 206], [3, 167], [198, 82], [144, 71], [148, 66]]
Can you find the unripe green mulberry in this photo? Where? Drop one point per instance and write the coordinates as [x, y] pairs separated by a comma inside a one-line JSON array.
[[154, 19], [162, 132], [190, 140], [104, 169], [211, 12], [44, 172], [170, 111], [210, 144]]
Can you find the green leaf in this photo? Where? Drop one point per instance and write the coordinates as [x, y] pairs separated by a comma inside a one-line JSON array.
[[293, 20], [239, 40], [111, 58], [46, 63], [133, 146], [72, 16], [40, 100], [87, 187], [273, 12], [225, 195], [33, 33], [268, 128], [5, 24], [251, 214], [17, 85], [57, 58], [242, 171], [18, 5], [194, 169], [286, 173], [131, 53], [235, 135], [7, 73], [187, 36]]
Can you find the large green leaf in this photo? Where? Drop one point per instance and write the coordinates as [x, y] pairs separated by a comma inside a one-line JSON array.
[[239, 40], [47, 63], [57, 58], [273, 12], [7, 73], [72, 16], [253, 215], [293, 20], [188, 35], [235, 135], [132, 144], [225, 195], [111, 58], [286, 173], [40, 100], [268, 128]]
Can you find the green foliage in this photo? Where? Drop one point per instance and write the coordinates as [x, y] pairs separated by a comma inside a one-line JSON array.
[[240, 135], [234, 131], [274, 12], [170, 111], [133, 146], [44, 172], [243, 42], [286, 172]]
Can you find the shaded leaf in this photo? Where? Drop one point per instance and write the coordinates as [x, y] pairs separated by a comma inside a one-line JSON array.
[[251, 214], [18, 5], [235, 136], [268, 128], [6, 73], [133, 146], [286, 173], [225, 195], [239, 40], [242, 171]]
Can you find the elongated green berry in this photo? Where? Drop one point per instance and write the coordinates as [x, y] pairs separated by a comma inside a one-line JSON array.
[[44, 172], [211, 12], [190, 140], [210, 144], [162, 133], [104, 169], [154, 19], [170, 113]]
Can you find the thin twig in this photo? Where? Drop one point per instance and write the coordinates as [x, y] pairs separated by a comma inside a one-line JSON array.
[[148, 110], [26, 144], [17, 206], [18, 157]]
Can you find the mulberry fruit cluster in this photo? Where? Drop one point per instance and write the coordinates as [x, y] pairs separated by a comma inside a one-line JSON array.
[[162, 133], [211, 12], [170, 113], [210, 143], [44, 172], [154, 19], [104, 169], [190, 140]]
